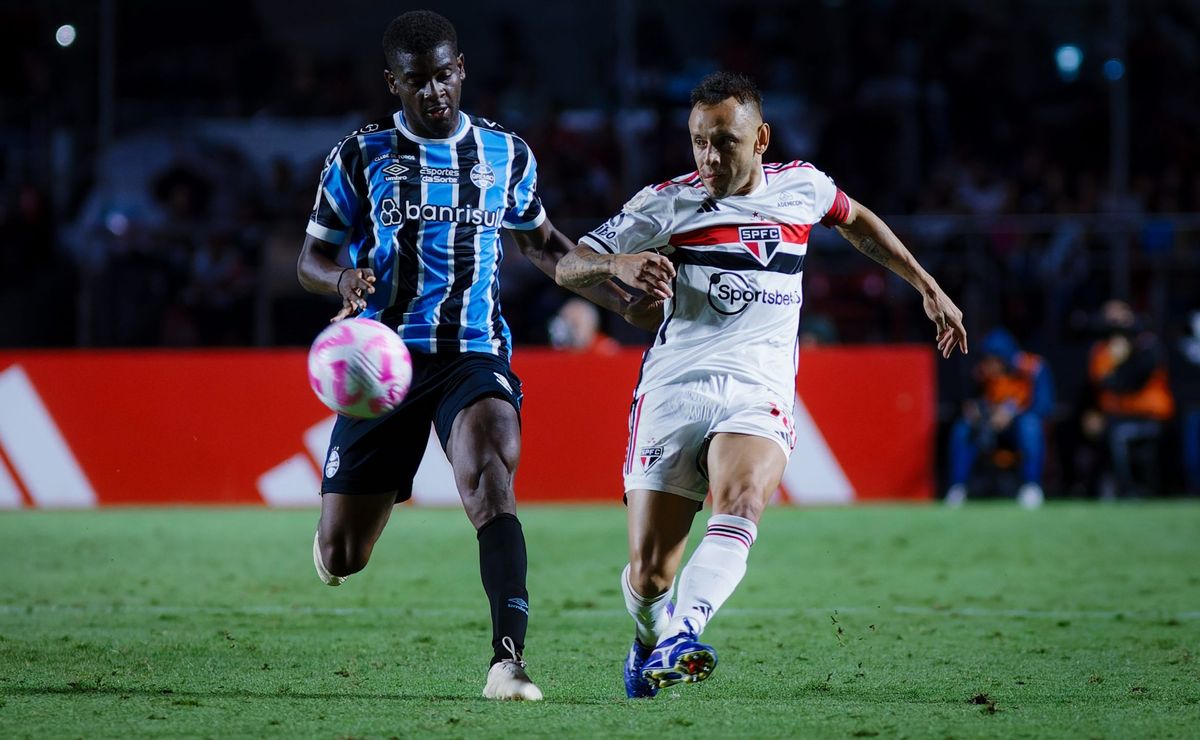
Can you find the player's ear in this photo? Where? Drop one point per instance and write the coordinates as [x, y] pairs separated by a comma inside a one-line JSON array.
[[462, 66], [391, 81], [763, 139]]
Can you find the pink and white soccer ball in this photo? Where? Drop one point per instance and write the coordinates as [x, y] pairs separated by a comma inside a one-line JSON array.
[[359, 368]]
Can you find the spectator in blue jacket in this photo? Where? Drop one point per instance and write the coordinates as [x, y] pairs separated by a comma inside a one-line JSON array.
[[1016, 395]]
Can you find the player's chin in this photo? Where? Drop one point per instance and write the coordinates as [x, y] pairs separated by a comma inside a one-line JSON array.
[[441, 121]]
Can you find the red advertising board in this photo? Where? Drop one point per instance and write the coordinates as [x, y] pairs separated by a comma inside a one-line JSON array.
[[85, 428]]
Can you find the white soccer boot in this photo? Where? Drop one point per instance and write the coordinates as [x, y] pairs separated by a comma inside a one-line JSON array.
[[1030, 496], [508, 679], [956, 496], [328, 578]]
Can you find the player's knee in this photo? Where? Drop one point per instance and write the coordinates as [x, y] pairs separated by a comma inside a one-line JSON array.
[[487, 477], [486, 490], [345, 556], [744, 498]]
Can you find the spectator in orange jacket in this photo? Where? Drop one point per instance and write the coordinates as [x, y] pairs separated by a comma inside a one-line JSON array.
[[1016, 396], [1133, 398]]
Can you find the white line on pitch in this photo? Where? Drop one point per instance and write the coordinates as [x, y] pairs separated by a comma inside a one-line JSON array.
[[283, 610]]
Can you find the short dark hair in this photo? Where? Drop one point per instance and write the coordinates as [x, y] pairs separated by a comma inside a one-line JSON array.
[[719, 86], [418, 32]]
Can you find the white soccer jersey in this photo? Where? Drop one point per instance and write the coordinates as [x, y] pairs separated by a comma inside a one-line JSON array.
[[739, 262]]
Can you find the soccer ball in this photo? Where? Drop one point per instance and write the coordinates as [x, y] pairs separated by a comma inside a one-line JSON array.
[[359, 368]]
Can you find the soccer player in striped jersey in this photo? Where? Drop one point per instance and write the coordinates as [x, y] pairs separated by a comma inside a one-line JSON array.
[[712, 410], [419, 198]]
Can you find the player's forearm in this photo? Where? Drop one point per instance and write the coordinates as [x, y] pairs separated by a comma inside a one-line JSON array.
[[317, 272], [583, 268], [607, 295], [871, 236], [548, 256], [603, 292]]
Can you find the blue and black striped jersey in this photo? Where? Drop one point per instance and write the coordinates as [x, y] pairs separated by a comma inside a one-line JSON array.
[[425, 215]]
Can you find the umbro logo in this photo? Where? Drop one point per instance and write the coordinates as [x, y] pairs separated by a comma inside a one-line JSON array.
[[395, 172]]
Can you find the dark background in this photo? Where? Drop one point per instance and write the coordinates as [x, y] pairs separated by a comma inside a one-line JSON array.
[[156, 174]]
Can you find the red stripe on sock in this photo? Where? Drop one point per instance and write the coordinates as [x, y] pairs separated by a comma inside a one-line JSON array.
[[735, 537], [732, 530]]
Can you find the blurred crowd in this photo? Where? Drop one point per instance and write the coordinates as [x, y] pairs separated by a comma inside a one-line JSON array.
[[958, 122], [1131, 430]]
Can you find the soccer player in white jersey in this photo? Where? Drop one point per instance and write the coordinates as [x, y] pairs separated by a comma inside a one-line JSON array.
[[721, 252]]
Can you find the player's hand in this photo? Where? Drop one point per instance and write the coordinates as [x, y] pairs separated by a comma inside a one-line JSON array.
[[645, 313], [948, 319], [647, 271], [354, 286]]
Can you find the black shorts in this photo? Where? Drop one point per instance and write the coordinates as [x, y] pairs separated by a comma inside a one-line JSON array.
[[379, 455]]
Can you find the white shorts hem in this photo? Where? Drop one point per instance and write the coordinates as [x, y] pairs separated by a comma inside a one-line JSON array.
[[651, 484], [752, 432]]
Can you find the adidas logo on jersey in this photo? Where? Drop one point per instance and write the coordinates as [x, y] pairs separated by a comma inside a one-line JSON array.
[[708, 206]]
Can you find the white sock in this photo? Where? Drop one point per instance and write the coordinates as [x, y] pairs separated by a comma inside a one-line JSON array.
[[322, 572], [650, 615], [716, 568]]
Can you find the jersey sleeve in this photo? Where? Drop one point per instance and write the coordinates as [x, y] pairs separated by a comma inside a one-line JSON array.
[[337, 207], [643, 224], [834, 205], [526, 212]]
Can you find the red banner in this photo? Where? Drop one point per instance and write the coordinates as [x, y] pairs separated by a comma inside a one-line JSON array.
[[219, 427]]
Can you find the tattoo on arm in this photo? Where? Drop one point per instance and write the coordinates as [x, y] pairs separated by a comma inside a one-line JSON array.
[[875, 251], [869, 247], [582, 270]]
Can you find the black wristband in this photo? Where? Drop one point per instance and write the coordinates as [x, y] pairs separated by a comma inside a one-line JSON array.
[[342, 275]]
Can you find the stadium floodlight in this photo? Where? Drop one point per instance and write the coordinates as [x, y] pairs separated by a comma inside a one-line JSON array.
[[1068, 58], [65, 35]]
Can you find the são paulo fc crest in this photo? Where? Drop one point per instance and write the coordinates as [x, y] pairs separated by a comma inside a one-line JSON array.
[[650, 455], [483, 176], [761, 241]]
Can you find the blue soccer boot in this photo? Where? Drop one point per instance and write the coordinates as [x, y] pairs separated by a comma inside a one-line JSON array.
[[680, 658]]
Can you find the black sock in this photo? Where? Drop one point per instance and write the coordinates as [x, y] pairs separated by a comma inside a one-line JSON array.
[[502, 566]]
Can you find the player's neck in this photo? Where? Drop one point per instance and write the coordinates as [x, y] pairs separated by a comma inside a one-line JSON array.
[[756, 178]]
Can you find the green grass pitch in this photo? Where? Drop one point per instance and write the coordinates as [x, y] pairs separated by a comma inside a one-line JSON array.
[[890, 621]]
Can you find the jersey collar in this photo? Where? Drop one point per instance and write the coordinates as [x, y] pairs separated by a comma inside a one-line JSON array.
[[758, 189], [464, 125]]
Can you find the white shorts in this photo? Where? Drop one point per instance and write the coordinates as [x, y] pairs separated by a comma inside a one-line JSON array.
[[670, 428]]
